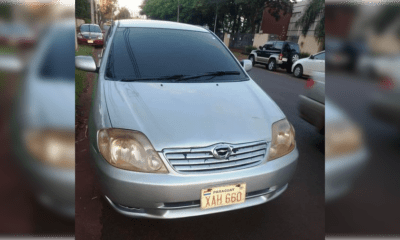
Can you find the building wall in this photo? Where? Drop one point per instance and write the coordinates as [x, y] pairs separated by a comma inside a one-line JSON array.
[[260, 39], [271, 26], [309, 44], [338, 20], [226, 39]]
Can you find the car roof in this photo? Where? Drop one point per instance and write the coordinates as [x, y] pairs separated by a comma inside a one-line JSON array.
[[158, 24]]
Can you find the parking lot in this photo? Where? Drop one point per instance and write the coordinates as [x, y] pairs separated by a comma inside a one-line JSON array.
[[300, 209]]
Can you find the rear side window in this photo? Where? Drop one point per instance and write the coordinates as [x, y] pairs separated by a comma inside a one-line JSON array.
[[295, 47], [320, 56], [278, 46], [150, 53]]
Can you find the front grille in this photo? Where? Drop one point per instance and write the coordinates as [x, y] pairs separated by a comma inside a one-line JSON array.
[[201, 160]]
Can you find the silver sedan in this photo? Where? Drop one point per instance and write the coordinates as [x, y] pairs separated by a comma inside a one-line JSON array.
[[178, 128]]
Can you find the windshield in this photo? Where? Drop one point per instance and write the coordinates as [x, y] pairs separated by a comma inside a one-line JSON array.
[[90, 28], [138, 53], [54, 67]]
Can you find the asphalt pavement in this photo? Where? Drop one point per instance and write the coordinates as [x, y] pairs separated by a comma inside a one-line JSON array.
[[297, 214], [372, 208]]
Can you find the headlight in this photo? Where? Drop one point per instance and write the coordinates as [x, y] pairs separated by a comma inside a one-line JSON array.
[[282, 139], [342, 138], [52, 147], [129, 150]]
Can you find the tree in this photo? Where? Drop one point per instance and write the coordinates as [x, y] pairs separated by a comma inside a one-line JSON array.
[[123, 14], [82, 9], [108, 8], [313, 10], [386, 17], [5, 10], [232, 15]]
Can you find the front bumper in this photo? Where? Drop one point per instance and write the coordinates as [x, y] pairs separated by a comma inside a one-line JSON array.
[[96, 42], [312, 111], [340, 173], [174, 195]]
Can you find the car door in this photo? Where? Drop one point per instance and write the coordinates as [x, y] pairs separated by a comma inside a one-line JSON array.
[[320, 62], [286, 52], [263, 54], [276, 49]]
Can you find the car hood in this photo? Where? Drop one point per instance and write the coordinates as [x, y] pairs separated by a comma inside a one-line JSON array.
[[180, 115]]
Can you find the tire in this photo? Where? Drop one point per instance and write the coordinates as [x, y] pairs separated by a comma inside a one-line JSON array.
[[298, 71], [271, 65], [294, 58], [253, 61]]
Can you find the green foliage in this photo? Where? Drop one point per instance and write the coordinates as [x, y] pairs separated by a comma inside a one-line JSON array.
[[82, 9], [386, 18], [81, 76], [232, 15], [249, 48], [123, 14], [5, 10], [313, 9]]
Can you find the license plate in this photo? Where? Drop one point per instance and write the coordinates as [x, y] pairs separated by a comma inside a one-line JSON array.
[[90, 41], [223, 196]]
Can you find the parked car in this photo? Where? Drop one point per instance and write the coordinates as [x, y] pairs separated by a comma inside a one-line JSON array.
[[17, 34], [385, 102], [346, 154], [90, 34], [373, 66], [169, 137], [307, 66], [275, 54], [43, 124], [344, 54], [312, 102]]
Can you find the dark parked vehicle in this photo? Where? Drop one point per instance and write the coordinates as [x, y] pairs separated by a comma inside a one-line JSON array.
[[275, 54]]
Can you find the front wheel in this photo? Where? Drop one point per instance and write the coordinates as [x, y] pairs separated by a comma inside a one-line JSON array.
[[298, 71], [271, 65]]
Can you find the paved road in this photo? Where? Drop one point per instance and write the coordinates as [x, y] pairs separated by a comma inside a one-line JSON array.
[[373, 206], [297, 214]]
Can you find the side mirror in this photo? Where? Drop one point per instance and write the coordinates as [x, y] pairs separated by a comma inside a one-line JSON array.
[[11, 64], [312, 57], [246, 64], [260, 47], [85, 63]]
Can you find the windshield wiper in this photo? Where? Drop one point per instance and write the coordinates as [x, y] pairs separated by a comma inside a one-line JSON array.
[[173, 77], [211, 74]]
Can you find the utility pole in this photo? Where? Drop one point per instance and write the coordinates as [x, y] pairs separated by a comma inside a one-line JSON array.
[[91, 11], [216, 11], [178, 12]]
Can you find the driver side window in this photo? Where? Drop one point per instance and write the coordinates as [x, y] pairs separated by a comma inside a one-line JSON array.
[[320, 56], [267, 47]]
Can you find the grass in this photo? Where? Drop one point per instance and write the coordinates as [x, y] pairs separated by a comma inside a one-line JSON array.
[[81, 76], [6, 50], [240, 56]]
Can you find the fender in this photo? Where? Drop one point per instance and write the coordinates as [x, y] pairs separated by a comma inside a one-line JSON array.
[[276, 57]]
